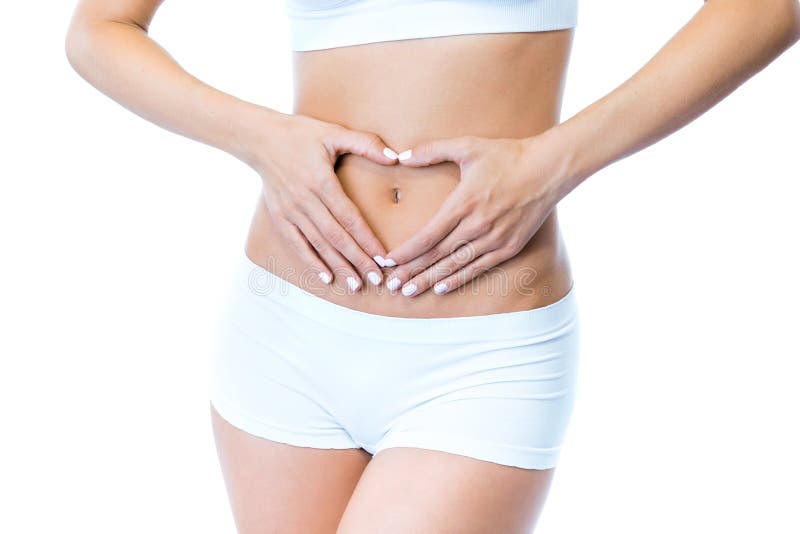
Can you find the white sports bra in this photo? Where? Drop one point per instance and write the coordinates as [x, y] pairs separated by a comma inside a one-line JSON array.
[[318, 24]]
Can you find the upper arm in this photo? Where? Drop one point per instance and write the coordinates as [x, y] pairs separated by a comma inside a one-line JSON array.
[[134, 12]]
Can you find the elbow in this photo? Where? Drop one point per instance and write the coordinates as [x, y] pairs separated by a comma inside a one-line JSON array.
[[76, 44], [785, 21], [84, 36], [794, 16], [777, 21], [71, 48], [81, 46]]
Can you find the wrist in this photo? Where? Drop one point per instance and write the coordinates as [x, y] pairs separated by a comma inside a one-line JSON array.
[[578, 151], [588, 140], [553, 153], [255, 129]]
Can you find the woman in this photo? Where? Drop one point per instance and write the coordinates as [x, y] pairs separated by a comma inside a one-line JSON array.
[[402, 332]]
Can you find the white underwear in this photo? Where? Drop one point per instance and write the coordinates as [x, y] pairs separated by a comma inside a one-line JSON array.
[[293, 367]]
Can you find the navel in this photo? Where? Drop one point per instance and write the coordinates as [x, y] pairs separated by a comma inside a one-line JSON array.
[[396, 195]]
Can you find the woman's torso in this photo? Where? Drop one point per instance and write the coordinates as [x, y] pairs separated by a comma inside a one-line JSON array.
[[490, 85]]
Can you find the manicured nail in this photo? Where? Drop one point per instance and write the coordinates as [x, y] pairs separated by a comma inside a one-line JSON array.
[[389, 263], [404, 155], [352, 283], [440, 288], [393, 283], [379, 260], [389, 153], [325, 277], [409, 289], [374, 278]]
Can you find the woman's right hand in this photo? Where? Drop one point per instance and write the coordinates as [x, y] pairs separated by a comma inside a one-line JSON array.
[[295, 157]]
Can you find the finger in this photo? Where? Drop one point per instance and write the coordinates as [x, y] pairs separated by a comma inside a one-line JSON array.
[[338, 238], [342, 270], [458, 241], [350, 217], [364, 144], [464, 255], [304, 249], [455, 149], [471, 271], [443, 222]]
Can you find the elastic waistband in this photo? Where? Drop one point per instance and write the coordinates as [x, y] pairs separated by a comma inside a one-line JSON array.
[[264, 287]]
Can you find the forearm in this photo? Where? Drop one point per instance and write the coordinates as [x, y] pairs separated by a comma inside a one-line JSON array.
[[123, 62], [723, 45]]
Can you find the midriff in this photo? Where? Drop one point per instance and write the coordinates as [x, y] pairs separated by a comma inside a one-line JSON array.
[[489, 85]]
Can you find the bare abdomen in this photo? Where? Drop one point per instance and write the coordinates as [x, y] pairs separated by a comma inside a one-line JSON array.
[[498, 85]]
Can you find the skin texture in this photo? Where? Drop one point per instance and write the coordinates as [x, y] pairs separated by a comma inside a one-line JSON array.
[[450, 114]]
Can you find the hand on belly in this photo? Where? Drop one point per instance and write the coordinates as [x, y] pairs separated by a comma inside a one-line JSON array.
[[419, 211], [481, 205], [418, 90]]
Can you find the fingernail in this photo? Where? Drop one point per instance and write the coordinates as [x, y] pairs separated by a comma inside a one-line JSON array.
[[374, 277], [409, 289], [389, 263], [379, 260], [402, 156], [440, 288], [325, 277], [389, 153], [393, 283], [352, 283]]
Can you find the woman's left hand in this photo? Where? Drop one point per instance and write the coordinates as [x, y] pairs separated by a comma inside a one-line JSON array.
[[507, 189]]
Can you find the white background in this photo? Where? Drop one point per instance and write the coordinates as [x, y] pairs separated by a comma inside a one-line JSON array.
[[117, 238]]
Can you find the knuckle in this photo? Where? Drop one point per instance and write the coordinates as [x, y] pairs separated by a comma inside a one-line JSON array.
[[335, 238], [465, 254], [316, 184], [498, 232], [284, 208], [277, 211], [364, 264], [304, 193], [324, 186], [512, 247], [316, 241], [303, 202], [426, 240], [416, 269], [481, 224], [334, 130], [349, 222], [469, 204], [298, 245], [294, 197], [372, 142], [441, 250], [290, 206], [468, 144], [481, 269]]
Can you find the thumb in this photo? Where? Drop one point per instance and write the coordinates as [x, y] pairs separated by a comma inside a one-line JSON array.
[[455, 149], [364, 144]]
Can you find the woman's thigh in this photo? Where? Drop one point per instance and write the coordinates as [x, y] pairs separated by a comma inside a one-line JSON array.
[[408, 489], [276, 487]]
